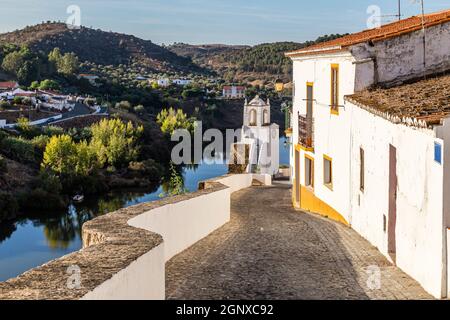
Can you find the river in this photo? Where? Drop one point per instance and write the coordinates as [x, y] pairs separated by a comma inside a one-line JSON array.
[[32, 241]]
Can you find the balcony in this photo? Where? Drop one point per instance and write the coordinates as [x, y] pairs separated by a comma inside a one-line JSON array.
[[306, 132]]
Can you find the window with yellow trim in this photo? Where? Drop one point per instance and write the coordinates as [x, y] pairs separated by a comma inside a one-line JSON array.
[[328, 172], [309, 172], [334, 89]]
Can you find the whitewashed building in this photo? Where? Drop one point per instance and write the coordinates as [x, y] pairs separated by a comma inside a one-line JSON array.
[[162, 83], [262, 137], [182, 82], [92, 78], [373, 158], [233, 92]]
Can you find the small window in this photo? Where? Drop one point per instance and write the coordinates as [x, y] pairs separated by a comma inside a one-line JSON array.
[[361, 169], [335, 89], [309, 172], [266, 118], [438, 152], [253, 117], [328, 172]]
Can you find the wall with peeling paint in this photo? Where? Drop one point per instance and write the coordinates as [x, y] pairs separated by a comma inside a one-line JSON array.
[[401, 58]]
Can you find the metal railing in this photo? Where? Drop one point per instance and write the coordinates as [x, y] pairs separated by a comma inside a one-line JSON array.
[[306, 131]]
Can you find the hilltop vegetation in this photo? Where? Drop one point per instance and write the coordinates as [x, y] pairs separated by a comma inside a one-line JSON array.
[[100, 47], [244, 63]]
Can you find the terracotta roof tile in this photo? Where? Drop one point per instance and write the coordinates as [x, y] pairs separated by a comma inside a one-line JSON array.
[[8, 84], [386, 31], [427, 100]]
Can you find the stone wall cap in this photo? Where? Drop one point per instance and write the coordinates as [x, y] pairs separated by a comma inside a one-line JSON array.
[[110, 245]]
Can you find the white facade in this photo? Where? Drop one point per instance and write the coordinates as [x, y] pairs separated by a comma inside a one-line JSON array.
[[417, 238], [181, 82], [92, 78], [419, 216], [233, 92], [262, 136], [163, 82]]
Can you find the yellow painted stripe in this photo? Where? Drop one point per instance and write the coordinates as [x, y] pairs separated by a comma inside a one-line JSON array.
[[310, 202]]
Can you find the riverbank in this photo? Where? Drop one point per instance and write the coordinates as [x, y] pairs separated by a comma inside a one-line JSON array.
[[36, 238]]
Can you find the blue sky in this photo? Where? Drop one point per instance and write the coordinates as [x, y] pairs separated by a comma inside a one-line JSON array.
[[211, 21]]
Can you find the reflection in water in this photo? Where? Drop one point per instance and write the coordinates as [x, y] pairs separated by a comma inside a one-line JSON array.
[[60, 231], [43, 236]]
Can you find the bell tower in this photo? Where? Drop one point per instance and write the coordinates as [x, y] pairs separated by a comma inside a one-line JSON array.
[[257, 113], [261, 136]]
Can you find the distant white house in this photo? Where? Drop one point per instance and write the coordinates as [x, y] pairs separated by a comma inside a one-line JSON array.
[[54, 100], [233, 92], [92, 78], [373, 152], [10, 95], [163, 83], [181, 82]]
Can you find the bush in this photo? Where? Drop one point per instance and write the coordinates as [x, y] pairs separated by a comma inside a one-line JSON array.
[[60, 155], [124, 105], [139, 109], [39, 199], [4, 105], [115, 142], [19, 149], [52, 131], [3, 167], [8, 206], [40, 142], [47, 181], [3, 135], [49, 85], [17, 100], [148, 169]]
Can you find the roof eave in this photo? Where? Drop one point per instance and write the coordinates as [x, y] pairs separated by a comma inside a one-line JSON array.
[[312, 51]]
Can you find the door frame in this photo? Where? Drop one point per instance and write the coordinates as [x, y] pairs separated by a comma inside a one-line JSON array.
[[392, 201], [297, 177]]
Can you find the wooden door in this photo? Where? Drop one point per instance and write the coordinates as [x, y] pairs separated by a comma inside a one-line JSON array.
[[392, 219]]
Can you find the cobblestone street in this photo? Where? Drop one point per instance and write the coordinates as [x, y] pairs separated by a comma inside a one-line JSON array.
[[270, 251]]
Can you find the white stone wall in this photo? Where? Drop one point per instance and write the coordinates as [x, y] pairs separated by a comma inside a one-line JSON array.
[[401, 58], [443, 132], [420, 238], [267, 138], [184, 223], [181, 225], [144, 279], [448, 263]]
